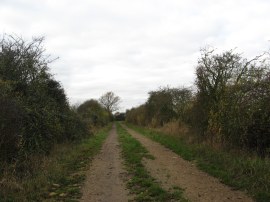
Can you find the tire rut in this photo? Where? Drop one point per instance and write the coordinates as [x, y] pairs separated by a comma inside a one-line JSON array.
[[171, 170], [105, 178]]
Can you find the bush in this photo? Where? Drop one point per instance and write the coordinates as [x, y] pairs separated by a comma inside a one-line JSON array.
[[93, 114], [10, 129], [234, 94], [230, 107], [34, 111], [161, 107]]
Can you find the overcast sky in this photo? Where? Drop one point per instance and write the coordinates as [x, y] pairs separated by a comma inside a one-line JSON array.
[[131, 47]]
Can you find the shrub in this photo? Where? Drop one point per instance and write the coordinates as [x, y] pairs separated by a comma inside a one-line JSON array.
[[34, 111]]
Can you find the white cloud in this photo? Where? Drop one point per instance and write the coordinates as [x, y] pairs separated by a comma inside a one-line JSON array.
[[132, 47]]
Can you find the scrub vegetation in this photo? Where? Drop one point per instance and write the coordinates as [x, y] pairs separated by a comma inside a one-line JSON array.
[[55, 177], [223, 125], [229, 109], [35, 113], [43, 140]]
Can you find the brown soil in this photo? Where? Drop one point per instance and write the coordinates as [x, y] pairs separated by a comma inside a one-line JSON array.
[[172, 170], [104, 180]]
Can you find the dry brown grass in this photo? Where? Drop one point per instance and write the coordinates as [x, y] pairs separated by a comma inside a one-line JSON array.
[[21, 179], [177, 128], [34, 179]]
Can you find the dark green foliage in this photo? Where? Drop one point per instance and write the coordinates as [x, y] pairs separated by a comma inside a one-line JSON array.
[[11, 118], [119, 116], [159, 107], [93, 113], [34, 111], [230, 107], [233, 94], [137, 115], [162, 106], [75, 127]]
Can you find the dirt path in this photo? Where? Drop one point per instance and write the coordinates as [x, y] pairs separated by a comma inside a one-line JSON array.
[[172, 170], [104, 180]]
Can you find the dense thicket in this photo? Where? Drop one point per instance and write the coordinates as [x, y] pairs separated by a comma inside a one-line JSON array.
[[93, 114], [34, 111], [162, 106], [230, 107], [119, 116]]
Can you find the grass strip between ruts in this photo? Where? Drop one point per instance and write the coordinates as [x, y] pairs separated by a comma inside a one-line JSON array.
[[142, 185]]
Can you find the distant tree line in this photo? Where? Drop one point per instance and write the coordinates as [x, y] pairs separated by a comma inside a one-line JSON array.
[[231, 104], [98, 113]]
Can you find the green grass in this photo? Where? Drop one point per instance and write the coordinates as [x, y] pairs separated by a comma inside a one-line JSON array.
[[142, 185], [239, 171], [58, 177]]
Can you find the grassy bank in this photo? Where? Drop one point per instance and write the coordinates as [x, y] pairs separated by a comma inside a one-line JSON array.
[[141, 184], [241, 172], [57, 177]]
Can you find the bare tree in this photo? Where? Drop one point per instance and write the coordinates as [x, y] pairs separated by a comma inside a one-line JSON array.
[[110, 101]]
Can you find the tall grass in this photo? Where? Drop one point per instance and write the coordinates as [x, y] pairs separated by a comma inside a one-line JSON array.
[[251, 174], [175, 128], [57, 177]]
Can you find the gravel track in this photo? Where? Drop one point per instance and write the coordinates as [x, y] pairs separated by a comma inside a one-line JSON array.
[[105, 178], [171, 170]]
